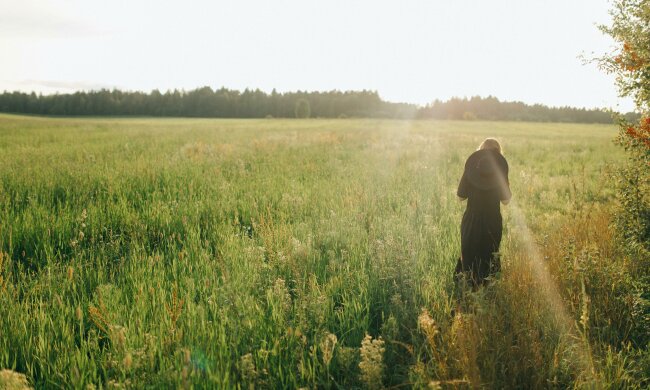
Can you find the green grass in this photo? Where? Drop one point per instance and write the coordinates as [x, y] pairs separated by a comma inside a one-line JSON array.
[[179, 252]]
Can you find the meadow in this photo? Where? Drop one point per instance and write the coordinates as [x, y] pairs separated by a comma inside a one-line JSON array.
[[305, 253]]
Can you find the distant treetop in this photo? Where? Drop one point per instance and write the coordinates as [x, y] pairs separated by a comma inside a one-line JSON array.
[[229, 103]]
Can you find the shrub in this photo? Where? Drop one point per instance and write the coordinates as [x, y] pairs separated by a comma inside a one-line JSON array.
[[631, 65]]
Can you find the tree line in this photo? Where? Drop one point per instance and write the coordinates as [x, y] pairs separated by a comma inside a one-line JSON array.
[[492, 109], [206, 102], [230, 103]]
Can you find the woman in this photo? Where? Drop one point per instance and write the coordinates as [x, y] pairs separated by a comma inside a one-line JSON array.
[[484, 184]]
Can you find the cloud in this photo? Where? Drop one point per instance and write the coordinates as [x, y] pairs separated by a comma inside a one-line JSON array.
[[28, 20], [57, 86]]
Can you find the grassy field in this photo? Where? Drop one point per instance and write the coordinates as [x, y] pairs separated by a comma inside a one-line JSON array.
[[291, 253]]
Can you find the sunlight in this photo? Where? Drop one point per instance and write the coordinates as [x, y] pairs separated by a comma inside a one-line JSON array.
[[550, 292]]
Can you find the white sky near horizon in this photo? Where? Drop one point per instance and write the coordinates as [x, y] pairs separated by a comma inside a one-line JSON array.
[[409, 50]]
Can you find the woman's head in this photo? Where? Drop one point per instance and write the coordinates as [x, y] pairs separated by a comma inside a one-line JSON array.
[[490, 143]]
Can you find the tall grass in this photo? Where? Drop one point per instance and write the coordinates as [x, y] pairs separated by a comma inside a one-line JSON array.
[[284, 254]]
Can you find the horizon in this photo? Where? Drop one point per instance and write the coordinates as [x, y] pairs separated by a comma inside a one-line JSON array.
[[417, 53]]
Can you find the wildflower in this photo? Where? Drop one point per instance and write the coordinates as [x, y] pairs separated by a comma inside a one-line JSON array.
[[372, 362]]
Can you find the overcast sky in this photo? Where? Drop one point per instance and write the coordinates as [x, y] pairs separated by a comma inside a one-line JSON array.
[[408, 50]]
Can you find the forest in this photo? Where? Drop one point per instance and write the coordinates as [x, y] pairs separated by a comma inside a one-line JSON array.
[[206, 102]]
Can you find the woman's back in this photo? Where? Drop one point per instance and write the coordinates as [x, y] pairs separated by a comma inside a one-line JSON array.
[[485, 185]]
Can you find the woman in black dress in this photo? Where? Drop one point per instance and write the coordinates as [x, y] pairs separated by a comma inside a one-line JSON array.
[[484, 184]]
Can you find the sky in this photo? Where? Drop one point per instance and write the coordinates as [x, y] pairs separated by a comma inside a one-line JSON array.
[[408, 50]]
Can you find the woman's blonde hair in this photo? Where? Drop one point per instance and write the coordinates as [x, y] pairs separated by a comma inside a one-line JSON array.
[[490, 143]]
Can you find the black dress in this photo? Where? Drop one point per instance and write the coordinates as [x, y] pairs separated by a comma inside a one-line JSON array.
[[481, 228]]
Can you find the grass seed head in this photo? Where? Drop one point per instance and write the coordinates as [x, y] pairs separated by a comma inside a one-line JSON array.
[[247, 368], [428, 326], [187, 356], [127, 362], [12, 380], [327, 346], [117, 335]]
